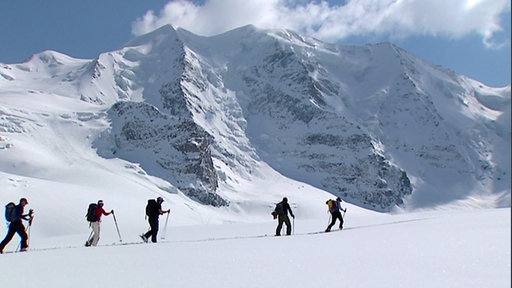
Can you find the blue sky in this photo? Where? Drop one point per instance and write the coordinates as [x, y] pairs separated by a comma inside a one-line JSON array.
[[470, 37]]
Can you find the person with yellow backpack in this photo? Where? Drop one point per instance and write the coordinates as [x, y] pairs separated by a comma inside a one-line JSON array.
[[334, 209]]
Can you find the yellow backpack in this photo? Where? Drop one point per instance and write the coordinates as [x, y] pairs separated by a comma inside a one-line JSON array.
[[333, 206]]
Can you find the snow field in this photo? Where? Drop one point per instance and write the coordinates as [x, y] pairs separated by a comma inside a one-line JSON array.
[[428, 249]]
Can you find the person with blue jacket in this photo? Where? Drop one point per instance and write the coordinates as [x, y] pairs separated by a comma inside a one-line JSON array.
[[16, 226]]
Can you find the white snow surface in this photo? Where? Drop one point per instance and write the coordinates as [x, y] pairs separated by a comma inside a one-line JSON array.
[[451, 246], [423, 249]]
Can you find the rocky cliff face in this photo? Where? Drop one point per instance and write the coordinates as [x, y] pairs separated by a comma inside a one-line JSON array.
[[372, 124], [308, 139], [165, 146], [349, 120], [160, 132]]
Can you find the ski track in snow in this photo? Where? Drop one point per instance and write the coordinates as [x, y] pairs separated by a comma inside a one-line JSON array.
[[463, 249]]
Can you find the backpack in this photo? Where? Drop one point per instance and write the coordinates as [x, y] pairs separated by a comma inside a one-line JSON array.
[[152, 208], [91, 212], [333, 205], [10, 212], [279, 210]]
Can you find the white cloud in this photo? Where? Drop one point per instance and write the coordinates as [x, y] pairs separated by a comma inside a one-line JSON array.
[[331, 22]]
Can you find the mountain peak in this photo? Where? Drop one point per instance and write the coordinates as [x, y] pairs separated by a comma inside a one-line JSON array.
[[155, 38], [51, 58], [374, 125]]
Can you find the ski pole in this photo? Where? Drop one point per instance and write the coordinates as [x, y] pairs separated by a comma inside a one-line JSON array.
[[28, 236], [31, 215], [165, 228], [117, 227]]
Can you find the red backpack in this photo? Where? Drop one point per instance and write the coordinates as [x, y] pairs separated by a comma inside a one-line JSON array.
[[333, 205]]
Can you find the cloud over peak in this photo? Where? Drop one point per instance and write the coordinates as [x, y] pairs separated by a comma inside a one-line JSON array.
[[335, 20]]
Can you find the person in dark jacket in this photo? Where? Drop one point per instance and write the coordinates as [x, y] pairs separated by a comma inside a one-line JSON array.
[[153, 216], [282, 209], [16, 226], [334, 209]]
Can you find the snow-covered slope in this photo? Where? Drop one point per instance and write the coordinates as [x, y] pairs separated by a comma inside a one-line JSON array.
[[214, 119], [466, 249]]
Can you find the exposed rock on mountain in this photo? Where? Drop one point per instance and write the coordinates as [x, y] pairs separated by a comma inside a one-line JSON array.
[[373, 124]]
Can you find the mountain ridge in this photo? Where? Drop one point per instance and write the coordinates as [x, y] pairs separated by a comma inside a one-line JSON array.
[[344, 119]]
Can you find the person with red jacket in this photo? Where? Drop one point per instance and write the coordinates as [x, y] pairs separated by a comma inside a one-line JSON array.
[[95, 225]]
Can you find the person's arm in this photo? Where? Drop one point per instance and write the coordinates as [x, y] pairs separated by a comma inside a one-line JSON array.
[[339, 206], [163, 212], [106, 213], [28, 216], [160, 211], [290, 209]]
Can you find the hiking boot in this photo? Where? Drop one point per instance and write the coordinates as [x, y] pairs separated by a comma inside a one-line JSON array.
[[23, 249], [143, 237], [341, 227], [327, 230]]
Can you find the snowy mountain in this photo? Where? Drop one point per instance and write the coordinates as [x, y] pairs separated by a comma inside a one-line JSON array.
[[204, 116]]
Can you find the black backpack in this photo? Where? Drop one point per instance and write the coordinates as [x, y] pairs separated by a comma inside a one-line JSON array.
[[152, 208], [91, 212], [10, 212], [279, 210]]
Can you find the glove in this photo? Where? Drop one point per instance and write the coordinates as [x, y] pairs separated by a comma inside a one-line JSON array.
[[169, 211], [293, 216]]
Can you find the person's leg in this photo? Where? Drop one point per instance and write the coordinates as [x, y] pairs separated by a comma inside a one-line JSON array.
[[88, 243], [8, 237], [280, 221], [288, 225], [96, 233], [341, 220], [154, 230], [20, 229], [333, 221], [150, 232]]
